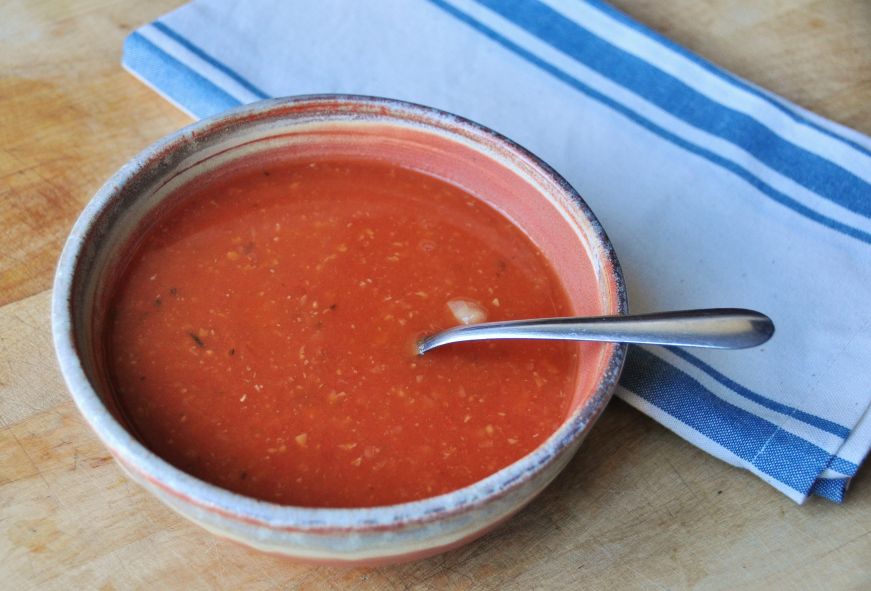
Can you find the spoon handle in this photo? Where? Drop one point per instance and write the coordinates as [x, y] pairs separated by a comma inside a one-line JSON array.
[[717, 328]]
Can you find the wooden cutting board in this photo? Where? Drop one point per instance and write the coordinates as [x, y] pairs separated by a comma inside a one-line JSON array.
[[637, 508]]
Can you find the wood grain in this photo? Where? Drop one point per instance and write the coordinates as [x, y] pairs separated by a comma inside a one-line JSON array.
[[637, 508], [69, 117]]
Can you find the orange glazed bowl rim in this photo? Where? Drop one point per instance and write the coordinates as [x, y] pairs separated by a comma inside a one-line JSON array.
[[73, 308]]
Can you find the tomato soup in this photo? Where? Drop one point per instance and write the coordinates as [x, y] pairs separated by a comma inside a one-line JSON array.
[[262, 335]]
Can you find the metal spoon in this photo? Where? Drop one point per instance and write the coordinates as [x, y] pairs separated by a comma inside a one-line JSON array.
[[717, 328]]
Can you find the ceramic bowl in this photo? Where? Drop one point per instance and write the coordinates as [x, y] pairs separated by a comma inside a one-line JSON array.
[[484, 163]]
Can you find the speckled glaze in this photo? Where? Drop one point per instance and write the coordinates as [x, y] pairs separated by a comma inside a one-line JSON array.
[[544, 205]]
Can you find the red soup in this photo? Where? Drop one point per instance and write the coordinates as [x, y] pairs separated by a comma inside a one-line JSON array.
[[262, 336]]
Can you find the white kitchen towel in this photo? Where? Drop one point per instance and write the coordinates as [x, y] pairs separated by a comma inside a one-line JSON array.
[[715, 192]]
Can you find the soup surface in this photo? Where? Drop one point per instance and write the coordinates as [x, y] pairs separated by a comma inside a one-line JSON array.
[[262, 336]]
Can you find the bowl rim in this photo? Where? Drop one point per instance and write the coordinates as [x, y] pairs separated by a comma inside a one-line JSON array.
[[134, 455]]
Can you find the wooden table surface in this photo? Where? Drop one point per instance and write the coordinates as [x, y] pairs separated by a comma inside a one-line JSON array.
[[636, 508]]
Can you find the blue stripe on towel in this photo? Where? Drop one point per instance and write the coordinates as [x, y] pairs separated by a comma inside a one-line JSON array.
[[720, 73], [166, 30], [845, 467], [788, 458], [811, 170], [178, 82], [810, 419], [763, 187], [832, 489]]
